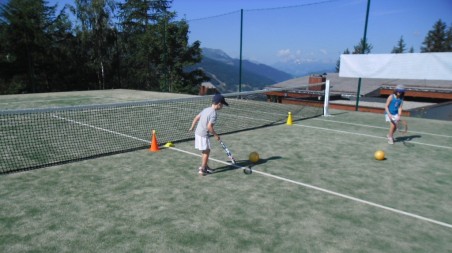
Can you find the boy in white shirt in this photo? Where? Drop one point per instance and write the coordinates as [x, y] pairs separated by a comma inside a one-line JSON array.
[[206, 120]]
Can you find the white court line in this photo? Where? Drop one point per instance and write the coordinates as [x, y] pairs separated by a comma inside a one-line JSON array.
[[330, 192], [280, 178], [363, 125], [368, 135], [99, 128], [51, 100]]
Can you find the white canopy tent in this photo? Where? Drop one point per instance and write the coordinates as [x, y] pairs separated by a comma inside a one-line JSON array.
[[420, 66]]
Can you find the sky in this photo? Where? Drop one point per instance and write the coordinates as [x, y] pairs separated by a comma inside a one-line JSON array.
[[307, 30]]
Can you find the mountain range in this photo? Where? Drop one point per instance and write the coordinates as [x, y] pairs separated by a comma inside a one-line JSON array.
[[224, 71]]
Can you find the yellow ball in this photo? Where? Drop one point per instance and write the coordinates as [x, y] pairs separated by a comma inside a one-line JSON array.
[[254, 157], [379, 155]]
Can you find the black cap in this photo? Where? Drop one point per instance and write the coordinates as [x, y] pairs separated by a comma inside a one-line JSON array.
[[218, 98]]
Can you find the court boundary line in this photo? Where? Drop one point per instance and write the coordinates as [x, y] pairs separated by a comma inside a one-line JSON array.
[[53, 100], [337, 194], [444, 224], [370, 126], [368, 135]]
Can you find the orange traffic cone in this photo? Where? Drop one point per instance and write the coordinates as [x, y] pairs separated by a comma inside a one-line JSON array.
[[154, 144]]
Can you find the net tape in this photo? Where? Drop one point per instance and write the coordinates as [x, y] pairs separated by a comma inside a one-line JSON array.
[[35, 138]]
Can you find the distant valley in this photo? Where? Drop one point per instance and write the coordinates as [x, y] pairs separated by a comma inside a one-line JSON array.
[[224, 71]]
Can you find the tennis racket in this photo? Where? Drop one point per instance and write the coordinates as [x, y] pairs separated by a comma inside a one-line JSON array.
[[402, 126], [228, 153]]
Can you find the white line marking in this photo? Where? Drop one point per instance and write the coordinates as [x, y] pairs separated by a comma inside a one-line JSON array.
[[358, 200], [99, 128], [363, 125], [368, 135], [53, 100], [280, 178], [329, 192]]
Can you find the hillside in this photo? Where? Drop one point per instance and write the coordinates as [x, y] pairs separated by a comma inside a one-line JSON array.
[[224, 72]]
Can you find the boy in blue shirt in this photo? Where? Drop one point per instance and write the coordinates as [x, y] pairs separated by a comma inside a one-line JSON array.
[[393, 110]]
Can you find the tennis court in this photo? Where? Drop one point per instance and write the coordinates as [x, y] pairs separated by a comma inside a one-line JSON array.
[[317, 188]]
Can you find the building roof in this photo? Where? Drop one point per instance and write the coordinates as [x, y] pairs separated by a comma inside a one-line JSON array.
[[346, 85], [208, 85]]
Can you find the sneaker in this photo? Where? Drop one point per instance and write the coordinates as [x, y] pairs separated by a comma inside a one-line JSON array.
[[390, 140], [201, 171], [208, 170], [204, 172]]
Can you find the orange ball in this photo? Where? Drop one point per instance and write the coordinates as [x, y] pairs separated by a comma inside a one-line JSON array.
[[254, 157], [379, 155]]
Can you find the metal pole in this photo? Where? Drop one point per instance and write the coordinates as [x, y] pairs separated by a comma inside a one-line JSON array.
[[326, 103], [364, 49], [241, 39], [165, 54]]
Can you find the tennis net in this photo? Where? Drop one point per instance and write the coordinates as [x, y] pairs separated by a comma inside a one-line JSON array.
[[44, 137]]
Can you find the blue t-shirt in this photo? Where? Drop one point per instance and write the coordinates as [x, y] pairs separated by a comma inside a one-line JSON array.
[[395, 105]]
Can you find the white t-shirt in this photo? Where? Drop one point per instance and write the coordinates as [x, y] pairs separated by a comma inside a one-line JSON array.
[[209, 114]]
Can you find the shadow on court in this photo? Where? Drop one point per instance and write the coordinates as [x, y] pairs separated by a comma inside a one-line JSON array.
[[407, 138], [244, 163]]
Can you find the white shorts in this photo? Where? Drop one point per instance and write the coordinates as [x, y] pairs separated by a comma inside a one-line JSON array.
[[395, 117], [202, 143]]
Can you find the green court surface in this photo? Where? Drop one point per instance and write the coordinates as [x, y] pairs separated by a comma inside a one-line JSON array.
[[317, 188]]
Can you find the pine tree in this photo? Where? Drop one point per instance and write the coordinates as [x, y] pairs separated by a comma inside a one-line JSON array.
[[363, 48], [156, 48], [400, 48], [29, 35], [439, 39], [97, 37], [143, 42]]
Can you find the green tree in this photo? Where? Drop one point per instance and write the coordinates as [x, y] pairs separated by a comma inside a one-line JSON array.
[[178, 55], [156, 49], [97, 36], [400, 48], [32, 39], [439, 39], [25, 39], [140, 39], [449, 39], [363, 48]]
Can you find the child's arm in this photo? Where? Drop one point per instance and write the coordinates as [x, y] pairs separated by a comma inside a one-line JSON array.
[[212, 131], [196, 119], [388, 102]]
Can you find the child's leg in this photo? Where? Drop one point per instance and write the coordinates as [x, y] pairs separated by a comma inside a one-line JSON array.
[[205, 158], [204, 169], [392, 128]]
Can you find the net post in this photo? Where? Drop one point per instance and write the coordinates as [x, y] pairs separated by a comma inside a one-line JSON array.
[[327, 99]]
